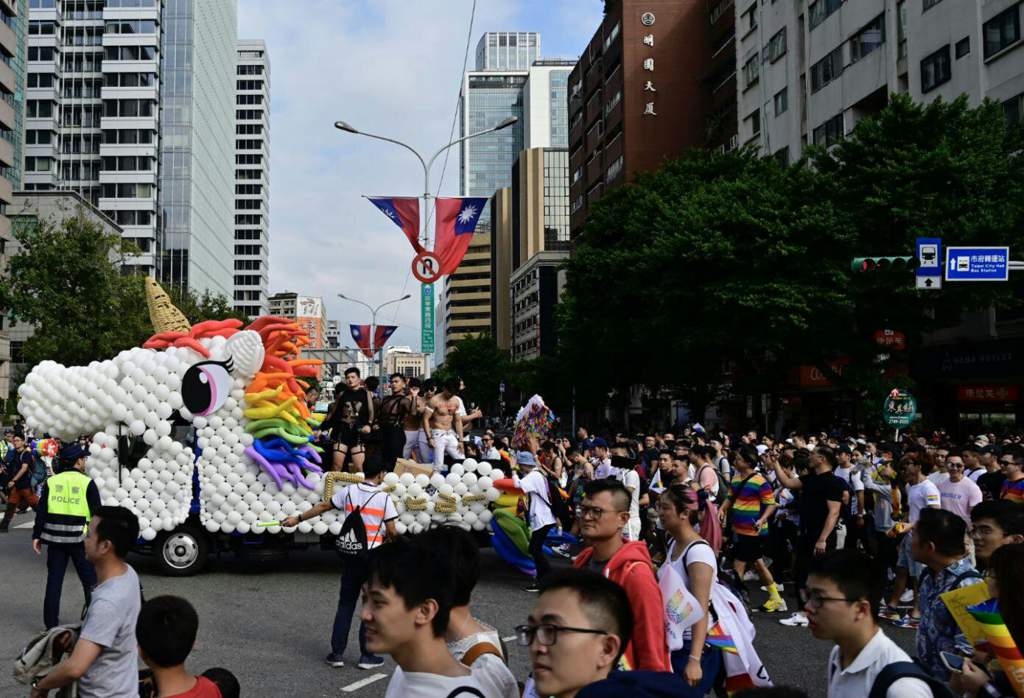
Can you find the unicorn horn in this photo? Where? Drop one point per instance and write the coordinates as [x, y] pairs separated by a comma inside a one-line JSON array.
[[162, 313]]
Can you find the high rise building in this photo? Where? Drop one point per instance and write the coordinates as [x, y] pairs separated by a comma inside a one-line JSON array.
[[12, 77], [197, 122], [307, 311], [252, 178], [810, 76], [501, 51], [128, 98], [333, 334], [638, 96]]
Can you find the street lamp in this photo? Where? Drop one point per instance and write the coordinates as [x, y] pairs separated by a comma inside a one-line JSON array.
[[373, 321], [427, 164]]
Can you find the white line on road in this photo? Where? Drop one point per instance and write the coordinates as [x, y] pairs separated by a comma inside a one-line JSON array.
[[364, 682], [27, 524], [510, 638]]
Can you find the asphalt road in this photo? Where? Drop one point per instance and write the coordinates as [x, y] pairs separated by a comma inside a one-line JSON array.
[[270, 622]]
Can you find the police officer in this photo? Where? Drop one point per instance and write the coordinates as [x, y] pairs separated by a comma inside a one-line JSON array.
[[66, 504]]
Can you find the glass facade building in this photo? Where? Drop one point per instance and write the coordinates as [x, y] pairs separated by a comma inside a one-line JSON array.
[[556, 199], [197, 70], [507, 50]]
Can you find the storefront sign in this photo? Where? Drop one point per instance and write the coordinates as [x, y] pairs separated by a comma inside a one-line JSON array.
[[891, 339], [814, 377], [899, 409], [987, 393]]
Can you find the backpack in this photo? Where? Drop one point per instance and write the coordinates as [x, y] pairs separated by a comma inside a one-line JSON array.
[[900, 670], [558, 501], [41, 655], [723, 485], [352, 541], [480, 649]]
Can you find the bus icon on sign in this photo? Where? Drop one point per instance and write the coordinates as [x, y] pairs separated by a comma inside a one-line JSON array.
[[929, 255], [963, 263]]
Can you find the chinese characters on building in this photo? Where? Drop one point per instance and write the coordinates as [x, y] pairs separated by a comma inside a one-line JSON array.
[[647, 19]]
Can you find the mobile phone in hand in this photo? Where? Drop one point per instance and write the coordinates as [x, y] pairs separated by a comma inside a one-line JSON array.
[[953, 662]]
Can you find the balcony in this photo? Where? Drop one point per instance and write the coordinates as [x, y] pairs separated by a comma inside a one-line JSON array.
[[6, 153], [6, 113]]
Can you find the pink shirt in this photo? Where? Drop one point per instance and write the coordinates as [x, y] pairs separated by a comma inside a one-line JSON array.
[[960, 497]]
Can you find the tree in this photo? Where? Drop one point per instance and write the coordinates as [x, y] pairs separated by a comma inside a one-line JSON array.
[[479, 362], [66, 280]]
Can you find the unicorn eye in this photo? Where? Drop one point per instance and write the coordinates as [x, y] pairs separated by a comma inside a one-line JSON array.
[[206, 386]]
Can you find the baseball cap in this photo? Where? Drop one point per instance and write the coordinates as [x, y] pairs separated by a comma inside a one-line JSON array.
[[761, 448], [72, 452], [525, 458], [599, 443], [843, 448], [981, 441]]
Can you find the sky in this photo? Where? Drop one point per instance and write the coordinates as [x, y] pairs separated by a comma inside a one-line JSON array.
[[391, 67]]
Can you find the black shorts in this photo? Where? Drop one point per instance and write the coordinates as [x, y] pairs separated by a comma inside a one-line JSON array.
[[345, 435], [747, 548]]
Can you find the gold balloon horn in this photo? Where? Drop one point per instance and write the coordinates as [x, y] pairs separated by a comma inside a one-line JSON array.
[[162, 313]]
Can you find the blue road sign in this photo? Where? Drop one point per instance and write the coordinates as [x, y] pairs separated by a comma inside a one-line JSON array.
[[977, 263], [929, 256]]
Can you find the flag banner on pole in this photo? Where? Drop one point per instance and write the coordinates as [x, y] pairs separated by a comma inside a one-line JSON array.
[[405, 212], [381, 334], [455, 222], [361, 335]]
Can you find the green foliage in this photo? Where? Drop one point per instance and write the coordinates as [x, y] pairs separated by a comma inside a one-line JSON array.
[[731, 268], [66, 280], [479, 362]]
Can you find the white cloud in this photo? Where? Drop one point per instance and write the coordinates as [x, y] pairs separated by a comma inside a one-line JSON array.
[[392, 67]]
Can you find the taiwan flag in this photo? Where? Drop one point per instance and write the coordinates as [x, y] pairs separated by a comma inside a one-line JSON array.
[[381, 334], [405, 212], [361, 335], [455, 223]]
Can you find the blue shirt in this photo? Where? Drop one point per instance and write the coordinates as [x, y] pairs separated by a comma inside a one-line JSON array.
[[938, 631]]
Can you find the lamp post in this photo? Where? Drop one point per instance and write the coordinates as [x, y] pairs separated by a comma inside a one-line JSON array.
[[373, 323], [427, 196]]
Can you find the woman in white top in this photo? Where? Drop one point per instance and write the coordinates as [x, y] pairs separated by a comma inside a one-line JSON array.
[[693, 560]]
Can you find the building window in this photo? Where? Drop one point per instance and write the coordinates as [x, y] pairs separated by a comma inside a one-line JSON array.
[[929, 4], [867, 39], [829, 132], [749, 18], [751, 72], [1013, 108], [1002, 31], [936, 69], [781, 101], [963, 47], [821, 9], [827, 69], [777, 46]]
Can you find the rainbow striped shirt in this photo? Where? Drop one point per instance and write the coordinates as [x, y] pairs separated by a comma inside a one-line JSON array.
[[1013, 491], [749, 501]]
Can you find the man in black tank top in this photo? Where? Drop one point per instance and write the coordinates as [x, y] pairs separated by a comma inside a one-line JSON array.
[[349, 420], [393, 411]]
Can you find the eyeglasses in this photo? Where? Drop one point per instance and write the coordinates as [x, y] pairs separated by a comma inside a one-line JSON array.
[[816, 600], [586, 512], [547, 633], [1008, 461]]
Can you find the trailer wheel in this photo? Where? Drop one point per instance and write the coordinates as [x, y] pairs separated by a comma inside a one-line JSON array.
[[182, 552]]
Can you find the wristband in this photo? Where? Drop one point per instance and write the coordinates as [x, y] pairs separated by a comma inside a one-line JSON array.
[[695, 658]]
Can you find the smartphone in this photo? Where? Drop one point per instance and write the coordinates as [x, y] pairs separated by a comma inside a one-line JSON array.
[[953, 662]]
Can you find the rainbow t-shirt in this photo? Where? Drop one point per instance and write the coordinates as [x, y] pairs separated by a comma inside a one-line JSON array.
[[750, 497], [1013, 491]]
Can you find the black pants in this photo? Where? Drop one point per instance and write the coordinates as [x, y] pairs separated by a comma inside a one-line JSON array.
[[802, 563], [540, 561], [883, 548], [57, 556], [392, 443], [353, 576]]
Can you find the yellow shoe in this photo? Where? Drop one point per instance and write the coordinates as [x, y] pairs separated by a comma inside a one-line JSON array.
[[774, 604]]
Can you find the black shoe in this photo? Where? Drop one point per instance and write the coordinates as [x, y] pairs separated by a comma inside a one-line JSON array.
[[4, 529]]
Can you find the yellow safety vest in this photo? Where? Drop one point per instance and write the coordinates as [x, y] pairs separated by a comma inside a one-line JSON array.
[[67, 510]]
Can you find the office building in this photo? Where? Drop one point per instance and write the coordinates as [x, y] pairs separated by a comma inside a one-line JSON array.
[[720, 84], [252, 178], [307, 311], [26, 209], [638, 95], [12, 77], [538, 223], [535, 291], [810, 76], [333, 334], [197, 81], [501, 267], [130, 100], [404, 360], [505, 84]]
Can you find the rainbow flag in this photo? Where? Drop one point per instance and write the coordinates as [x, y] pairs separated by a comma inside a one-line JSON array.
[[717, 637], [999, 639]]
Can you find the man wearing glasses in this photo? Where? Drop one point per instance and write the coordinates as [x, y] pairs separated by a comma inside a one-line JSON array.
[[844, 590], [959, 494], [487, 449], [1012, 464], [577, 633]]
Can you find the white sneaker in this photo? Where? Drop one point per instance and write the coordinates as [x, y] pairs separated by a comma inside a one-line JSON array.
[[796, 620], [908, 596]]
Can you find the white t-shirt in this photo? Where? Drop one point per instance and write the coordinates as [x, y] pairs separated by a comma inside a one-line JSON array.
[[420, 684], [852, 477], [536, 485], [697, 551], [381, 509], [488, 669], [855, 681], [604, 469], [461, 411], [938, 477], [920, 497], [631, 480]]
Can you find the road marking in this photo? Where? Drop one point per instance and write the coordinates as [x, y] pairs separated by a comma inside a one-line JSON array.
[[510, 638], [26, 525], [364, 682]]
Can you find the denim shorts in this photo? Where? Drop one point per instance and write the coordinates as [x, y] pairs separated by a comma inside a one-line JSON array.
[[906, 557]]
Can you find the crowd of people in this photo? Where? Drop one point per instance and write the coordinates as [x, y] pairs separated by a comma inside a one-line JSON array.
[[676, 533]]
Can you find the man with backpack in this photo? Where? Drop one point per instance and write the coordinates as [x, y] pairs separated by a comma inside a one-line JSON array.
[[844, 590], [370, 519], [544, 497]]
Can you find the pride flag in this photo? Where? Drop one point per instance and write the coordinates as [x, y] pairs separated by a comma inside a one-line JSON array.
[[717, 637], [999, 639]]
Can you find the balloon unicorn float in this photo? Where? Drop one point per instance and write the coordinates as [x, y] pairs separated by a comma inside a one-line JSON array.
[[239, 388]]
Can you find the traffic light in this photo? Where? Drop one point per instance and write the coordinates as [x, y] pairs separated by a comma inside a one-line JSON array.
[[870, 264]]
